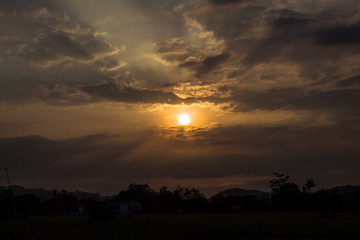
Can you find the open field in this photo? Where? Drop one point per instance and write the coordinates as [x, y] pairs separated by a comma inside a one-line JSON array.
[[187, 226]]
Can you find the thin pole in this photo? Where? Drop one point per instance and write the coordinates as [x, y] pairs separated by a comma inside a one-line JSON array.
[[12, 193], [7, 176]]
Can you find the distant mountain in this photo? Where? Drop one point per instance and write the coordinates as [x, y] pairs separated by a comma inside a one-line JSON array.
[[239, 192], [38, 192], [47, 194]]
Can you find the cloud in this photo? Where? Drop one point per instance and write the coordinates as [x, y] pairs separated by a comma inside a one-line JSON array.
[[52, 49], [110, 64], [57, 39], [222, 152], [222, 2], [298, 99], [292, 24], [207, 65], [116, 92], [46, 158], [339, 35], [46, 37], [341, 103], [349, 82], [261, 34]]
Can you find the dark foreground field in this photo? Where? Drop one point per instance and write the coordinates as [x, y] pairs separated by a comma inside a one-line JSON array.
[[187, 226]]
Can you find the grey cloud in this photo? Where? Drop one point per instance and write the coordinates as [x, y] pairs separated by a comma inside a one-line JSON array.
[[337, 101], [207, 65], [38, 156], [53, 48], [175, 50], [264, 34], [19, 4], [342, 103], [278, 148], [116, 92], [41, 46], [231, 24], [211, 63], [298, 99], [222, 2], [292, 24], [49, 37], [110, 64], [53, 85], [255, 151], [352, 81], [339, 35], [189, 64]]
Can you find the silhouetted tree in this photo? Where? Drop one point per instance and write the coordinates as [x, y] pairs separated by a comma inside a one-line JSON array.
[[6, 205], [61, 203], [141, 193], [308, 185], [285, 195], [166, 200], [308, 200], [220, 203], [248, 203], [28, 204], [100, 210], [194, 200]]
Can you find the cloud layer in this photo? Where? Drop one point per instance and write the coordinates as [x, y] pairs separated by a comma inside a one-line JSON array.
[[147, 61], [330, 155]]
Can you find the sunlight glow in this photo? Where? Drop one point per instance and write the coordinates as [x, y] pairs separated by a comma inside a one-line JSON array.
[[184, 119]]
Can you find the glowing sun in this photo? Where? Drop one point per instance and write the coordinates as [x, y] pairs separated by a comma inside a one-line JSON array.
[[184, 119]]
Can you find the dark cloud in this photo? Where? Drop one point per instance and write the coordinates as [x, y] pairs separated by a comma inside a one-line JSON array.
[[292, 24], [292, 99], [263, 34], [232, 24], [21, 5], [116, 92], [44, 36], [211, 63], [56, 47], [339, 35], [349, 82], [207, 65], [298, 99], [222, 2], [51, 49], [52, 85], [41, 157], [255, 152]]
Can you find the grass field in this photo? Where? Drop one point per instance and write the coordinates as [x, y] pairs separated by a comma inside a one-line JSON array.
[[186, 226]]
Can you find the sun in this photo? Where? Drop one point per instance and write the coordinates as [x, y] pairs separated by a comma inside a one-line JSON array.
[[184, 119]]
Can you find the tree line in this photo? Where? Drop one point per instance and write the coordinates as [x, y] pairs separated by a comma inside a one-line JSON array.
[[284, 196]]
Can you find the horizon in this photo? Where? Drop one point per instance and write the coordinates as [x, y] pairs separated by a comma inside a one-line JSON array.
[[207, 194]]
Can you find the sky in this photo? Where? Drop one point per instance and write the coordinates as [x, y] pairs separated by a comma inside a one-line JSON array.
[[91, 93]]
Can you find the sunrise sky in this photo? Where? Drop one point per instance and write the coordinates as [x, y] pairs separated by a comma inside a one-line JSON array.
[[91, 93]]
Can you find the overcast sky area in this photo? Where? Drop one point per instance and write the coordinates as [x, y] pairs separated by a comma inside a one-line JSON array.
[[91, 91]]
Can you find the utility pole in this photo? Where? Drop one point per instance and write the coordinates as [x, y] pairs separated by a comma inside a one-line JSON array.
[[7, 176], [12, 193]]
